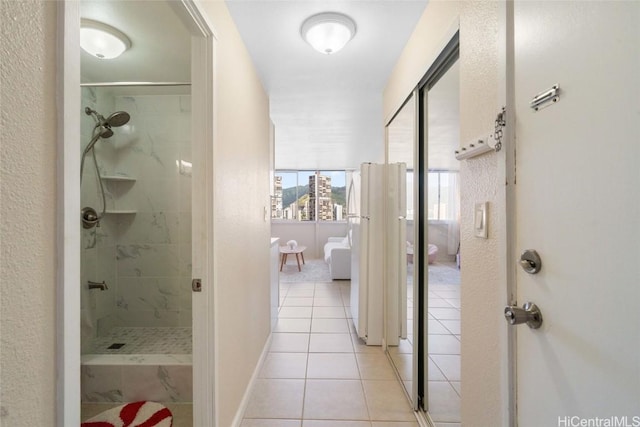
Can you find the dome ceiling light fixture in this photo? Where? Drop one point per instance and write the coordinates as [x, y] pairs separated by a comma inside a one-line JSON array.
[[102, 40], [328, 32]]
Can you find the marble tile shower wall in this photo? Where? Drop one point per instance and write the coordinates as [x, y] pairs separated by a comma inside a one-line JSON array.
[[97, 244], [145, 257], [153, 250]]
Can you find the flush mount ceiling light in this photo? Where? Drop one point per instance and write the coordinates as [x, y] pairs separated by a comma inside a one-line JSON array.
[[102, 40], [328, 32]]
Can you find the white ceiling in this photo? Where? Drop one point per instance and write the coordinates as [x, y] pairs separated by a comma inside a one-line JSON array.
[[327, 109]]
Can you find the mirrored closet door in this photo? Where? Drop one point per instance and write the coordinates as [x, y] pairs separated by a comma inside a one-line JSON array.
[[423, 292], [401, 137], [439, 200]]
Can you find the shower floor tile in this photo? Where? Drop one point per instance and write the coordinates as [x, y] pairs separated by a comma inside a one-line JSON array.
[[145, 341]]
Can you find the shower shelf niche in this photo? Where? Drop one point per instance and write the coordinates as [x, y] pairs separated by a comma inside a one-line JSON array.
[[115, 179]]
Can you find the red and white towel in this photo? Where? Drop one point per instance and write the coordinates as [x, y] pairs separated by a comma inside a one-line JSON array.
[[136, 414]]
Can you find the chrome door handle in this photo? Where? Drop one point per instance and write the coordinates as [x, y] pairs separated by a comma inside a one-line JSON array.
[[529, 314]]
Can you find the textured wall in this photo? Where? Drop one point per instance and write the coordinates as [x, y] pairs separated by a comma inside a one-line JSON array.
[[483, 284], [27, 210], [28, 188], [484, 297], [242, 226]]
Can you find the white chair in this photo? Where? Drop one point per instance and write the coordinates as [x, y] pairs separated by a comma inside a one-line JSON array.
[[337, 253]]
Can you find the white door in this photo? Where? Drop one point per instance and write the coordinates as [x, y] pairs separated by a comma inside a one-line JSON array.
[[367, 292], [578, 205]]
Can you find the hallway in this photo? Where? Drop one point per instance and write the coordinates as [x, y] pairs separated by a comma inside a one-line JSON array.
[[318, 373]]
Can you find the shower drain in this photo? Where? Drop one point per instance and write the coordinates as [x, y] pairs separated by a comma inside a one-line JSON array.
[[116, 346]]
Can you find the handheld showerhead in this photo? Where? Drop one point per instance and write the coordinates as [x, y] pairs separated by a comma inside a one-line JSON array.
[[106, 132], [102, 128], [96, 116], [117, 119]]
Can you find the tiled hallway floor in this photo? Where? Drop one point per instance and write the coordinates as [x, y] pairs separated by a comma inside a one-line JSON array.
[[318, 373], [444, 354]]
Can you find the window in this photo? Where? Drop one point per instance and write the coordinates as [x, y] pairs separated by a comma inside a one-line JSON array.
[[442, 200], [290, 198], [332, 199], [309, 196]]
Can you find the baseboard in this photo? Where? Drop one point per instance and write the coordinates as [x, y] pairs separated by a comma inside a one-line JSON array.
[[237, 420]]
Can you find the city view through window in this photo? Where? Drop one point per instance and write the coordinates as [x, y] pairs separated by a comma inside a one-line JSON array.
[[309, 196], [322, 195]]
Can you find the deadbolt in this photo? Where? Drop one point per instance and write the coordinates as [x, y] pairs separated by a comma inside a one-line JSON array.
[[196, 285], [530, 261], [529, 314]]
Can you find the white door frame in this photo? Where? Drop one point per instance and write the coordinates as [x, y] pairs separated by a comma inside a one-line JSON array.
[[68, 209], [507, 174]]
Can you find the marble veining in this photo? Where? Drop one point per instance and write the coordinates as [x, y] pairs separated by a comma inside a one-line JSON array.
[[122, 378], [145, 258], [154, 364], [137, 359]]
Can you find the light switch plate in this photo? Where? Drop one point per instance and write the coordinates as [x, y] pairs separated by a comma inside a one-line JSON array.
[[480, 220]]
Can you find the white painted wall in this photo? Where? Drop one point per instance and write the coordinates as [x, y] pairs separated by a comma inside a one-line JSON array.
[[484, 331], [241, 224], [28, 214], [483, 285]]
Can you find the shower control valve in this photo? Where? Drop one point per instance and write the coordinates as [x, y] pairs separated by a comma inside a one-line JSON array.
[[90, 218]]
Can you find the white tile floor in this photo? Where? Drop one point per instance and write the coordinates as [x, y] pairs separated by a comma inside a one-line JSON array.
[[444, 345], [319, 374]]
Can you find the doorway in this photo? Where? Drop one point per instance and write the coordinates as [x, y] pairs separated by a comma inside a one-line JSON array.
[[103, 307]]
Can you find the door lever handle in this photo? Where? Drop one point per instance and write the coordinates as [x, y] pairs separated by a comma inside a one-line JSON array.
[[529, 314]]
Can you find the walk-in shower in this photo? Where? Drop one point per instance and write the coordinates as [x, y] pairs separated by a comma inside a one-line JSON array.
[[136, 329], [102, 129], [135, 257]]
